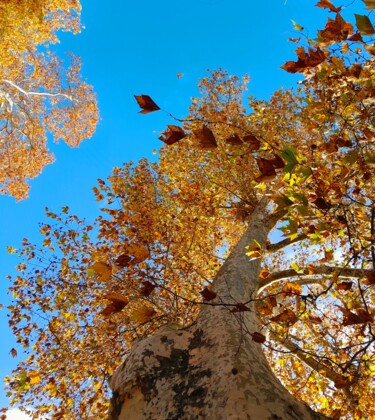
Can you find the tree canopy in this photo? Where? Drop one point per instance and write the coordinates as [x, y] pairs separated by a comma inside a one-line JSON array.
[[307, 156], [38, 93]]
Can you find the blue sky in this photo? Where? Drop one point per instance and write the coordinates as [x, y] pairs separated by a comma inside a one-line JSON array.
[[139, 48]]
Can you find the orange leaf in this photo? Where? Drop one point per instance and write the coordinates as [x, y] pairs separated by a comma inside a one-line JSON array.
[[147, 288], [287, 317], [264, 274], [103, 269], [292, 288], [326, 4], [146, 103], [118, 303], [234, 140]]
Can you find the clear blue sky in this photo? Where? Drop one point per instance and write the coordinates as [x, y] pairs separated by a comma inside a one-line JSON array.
[[131, 48]]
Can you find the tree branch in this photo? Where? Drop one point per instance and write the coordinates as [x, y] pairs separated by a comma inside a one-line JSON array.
[[37, 93], [284, 243], [313, 272], [317, 365]]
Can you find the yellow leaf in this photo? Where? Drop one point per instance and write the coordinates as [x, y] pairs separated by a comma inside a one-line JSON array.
[[103, 269]]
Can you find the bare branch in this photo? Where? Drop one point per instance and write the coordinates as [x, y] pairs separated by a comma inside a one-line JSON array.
[[312, 272], [37, 93], [284, 243]]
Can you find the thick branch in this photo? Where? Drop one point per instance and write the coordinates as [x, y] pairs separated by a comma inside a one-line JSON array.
[[286, 242], [313, 272], [37, 93], [314, 364]]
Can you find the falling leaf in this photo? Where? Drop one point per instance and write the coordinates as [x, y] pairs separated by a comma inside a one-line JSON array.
[[172, 135], [179, 75], [207, 294], [258, 337], [13, 352], [146, 103], [296, 26], [328, 5], [205, 138]]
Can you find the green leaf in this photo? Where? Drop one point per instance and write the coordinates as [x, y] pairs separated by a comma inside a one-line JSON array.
[[289, 155], [282, 201], [296, 268], [364, 25], [296, 26]]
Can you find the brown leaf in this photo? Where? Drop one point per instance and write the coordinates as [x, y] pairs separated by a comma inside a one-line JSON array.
[[252, 141], [278, 162], [286, 317], [336, 30], [322, 204], [234, 140], [146, 103], [240, 307], [370, 278], [205, 138], [362, 317], [147, 288], [345, 285], [123, 260], [315, 319], [13, 352], [207, 294], [118, 303], [264, 274], [266, 168], [326, 4], [172, 135], [258, 337], [305, 60]]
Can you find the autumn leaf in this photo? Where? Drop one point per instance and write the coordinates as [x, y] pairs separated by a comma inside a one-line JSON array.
[[364, 25], [254, 250], [123, 260], [172, 135], [143, 313], [207, 294], [118, 303], [205, 138], [344, 285], [258, 337], [240, 307], [103, 270], [293, 288], [266, 168], [146, 103], [234, 140], [370, 4], [13, 352], [252, 141], [138, 252], [287, 317], [147, 288], [328, 5]]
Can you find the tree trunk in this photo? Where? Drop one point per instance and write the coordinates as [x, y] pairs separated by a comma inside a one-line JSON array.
[[213, 369]]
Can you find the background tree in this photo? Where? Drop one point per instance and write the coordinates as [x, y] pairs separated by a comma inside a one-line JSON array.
[[38, 95], [301, 163]]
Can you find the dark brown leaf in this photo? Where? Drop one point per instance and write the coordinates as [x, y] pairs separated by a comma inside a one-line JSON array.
[[252, 141], [345, 285], [286, 317], [258, 337], [118, 303], [123, 260], [234, 140], [205, 138], [240, 307], [172, 135], [146, 103], [147, 288], [207, 294], [266, 168], [322, 204], [326, 4]]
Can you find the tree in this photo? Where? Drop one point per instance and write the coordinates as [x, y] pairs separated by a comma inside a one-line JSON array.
[[38, 95], [185, 274]]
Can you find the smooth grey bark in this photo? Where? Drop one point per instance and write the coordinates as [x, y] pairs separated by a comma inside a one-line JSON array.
[[213, 369]]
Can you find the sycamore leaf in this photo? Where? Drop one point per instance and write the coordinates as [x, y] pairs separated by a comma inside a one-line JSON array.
[[103, 270], [287, 317], [296, 26], [34, 378], [322, 204], [282, 201], [143, 313], [13, 352], [207, 294], [326, 4], [293, 288], [234, 140], [147, 288], [240, 307], [315, 319], [138, 252], [264, 274], [146, 103], [345, 285], [370, 4], [289, 155], [305, 60], [205, 138], [172, 135], [252, 141], [258, 337], [118, 303], [123, 260], [364, 25], [254, 250], [266, 168]]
